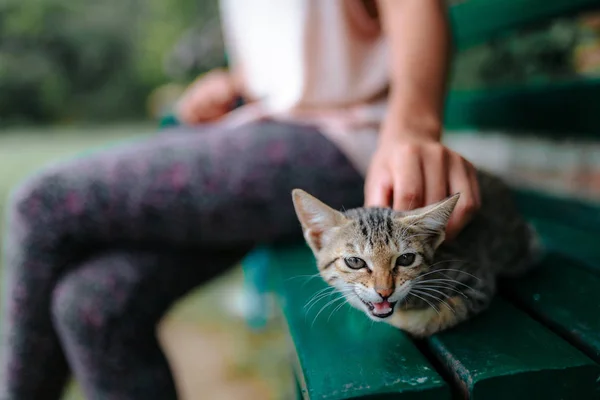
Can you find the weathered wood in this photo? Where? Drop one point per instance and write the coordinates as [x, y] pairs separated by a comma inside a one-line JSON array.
[[343, 355], [566, 226], [505, 354], [566, 297], [575, 244], [569, 212]]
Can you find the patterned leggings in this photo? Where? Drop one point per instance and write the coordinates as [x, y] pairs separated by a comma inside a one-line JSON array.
[[99, 247]]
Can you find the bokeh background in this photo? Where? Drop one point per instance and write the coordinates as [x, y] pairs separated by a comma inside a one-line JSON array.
[[76, 74]]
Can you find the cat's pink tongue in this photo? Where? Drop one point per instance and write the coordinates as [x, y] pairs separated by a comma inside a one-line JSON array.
[[382, 308]]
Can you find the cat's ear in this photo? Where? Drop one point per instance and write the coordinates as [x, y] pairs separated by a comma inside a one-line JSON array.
[[432, 219], [317, 218]]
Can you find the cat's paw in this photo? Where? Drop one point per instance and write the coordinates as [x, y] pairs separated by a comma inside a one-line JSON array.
[[425, 322]]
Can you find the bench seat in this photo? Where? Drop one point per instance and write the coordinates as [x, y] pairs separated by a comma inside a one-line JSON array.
[[539, 339]]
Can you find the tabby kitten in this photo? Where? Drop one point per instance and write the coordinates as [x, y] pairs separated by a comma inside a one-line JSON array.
[[396, 267]]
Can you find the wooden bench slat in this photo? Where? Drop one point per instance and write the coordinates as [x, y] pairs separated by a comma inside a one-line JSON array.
[[574, 244], [565, 296], [344, 355], [566, 226], [504, 349], [490, 356], [555, 109], [477, 21], [564, 211]]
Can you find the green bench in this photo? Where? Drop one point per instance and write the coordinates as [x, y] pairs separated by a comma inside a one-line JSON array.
[[540, 339]]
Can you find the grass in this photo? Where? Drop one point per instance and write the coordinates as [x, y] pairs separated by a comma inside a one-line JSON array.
[[22, 151]]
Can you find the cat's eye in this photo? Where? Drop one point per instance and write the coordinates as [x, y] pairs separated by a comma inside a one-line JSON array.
[[355, 262], [405, 259]]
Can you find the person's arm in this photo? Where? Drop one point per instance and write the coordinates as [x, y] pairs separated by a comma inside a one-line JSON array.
[[411, 168], [418, 35]]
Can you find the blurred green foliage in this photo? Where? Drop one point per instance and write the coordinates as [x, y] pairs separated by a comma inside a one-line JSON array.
[[64, 60], [74, 60], [544, 53]]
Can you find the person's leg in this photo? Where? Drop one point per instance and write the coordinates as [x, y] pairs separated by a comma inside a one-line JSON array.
[[226, 189], [106, 312]]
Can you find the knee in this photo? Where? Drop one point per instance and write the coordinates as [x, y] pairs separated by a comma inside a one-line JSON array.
[[80, 307], [35, 196]]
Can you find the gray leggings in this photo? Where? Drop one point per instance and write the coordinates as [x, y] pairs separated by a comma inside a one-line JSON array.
[[98, 248]]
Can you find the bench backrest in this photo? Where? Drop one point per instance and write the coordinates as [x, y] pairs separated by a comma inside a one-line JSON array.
[[568, 107], [477, 21]]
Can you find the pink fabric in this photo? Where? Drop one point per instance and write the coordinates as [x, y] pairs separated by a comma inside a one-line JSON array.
[[320, 62]]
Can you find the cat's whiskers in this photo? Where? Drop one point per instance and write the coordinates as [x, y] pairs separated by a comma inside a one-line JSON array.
[[321, 296], [454, 281], [337, 308], [317, 299], [447, 269], [342, 296], [447, 296], [425, 300], [319, 293], [440, 285], [444, 261], [375, 236], [459, 271], [416, 235], [436, 298], [307, 277]]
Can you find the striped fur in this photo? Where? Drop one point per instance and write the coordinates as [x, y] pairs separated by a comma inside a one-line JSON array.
[[446, 284]]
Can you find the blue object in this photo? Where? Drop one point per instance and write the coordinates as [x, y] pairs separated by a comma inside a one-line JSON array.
[[256, 287]]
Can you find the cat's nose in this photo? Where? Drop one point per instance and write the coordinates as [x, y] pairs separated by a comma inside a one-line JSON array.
[[385, 293]]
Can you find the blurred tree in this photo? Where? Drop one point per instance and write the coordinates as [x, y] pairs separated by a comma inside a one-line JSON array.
[[539, 53], [79, 59], [63, 60], [544, 52], [179, 39]]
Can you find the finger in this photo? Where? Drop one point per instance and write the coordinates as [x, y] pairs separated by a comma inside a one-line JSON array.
[[460, 182], [408, 182], [378, 193], [475, 185], [436, 174]]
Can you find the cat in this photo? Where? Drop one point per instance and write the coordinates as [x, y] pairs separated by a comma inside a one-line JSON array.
[[397, 268]]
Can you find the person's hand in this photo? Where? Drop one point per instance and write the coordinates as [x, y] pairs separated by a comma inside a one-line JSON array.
[[409, 171], [207, 99]]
